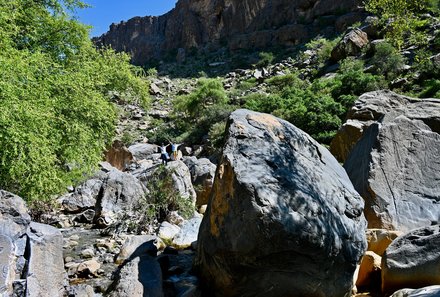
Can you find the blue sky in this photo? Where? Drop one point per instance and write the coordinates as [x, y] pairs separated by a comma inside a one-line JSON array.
[[105, 12]]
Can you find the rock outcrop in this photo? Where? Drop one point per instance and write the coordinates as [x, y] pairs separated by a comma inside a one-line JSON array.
[[202, 175], [412, 260], [395, 164], [431, 291], [236, 24], [283, 218], [31, 254]]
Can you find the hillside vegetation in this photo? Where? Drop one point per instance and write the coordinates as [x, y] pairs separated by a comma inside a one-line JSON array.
[[56, 112]]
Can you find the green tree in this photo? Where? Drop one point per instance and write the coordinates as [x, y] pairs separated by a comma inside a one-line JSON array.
[[56, 115]]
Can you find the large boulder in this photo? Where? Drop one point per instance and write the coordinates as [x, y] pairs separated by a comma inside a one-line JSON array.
[[283, 218], [395, 165], [82, 198], [350, 45], [46, 275], [202, 175], [412, 260], [120, 194], [142, 151]]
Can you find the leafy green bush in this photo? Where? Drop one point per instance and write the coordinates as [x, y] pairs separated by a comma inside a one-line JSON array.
[[266, 58], [56, 116], [402, 18], [387, 60], [323, 47]]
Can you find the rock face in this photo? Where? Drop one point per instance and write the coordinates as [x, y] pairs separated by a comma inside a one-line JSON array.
[[118, 155], [431, 291], [395, 164], [283, 218], [31, 256], [350, 45], [46, 275], [237, 24], [412, 260], [202, 176]]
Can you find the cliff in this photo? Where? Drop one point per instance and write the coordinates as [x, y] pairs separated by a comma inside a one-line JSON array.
[[235, 24]]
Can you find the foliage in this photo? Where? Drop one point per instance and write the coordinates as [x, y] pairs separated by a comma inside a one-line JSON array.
[[56, 116], [266, 58], [402, 17], [323, 47], [316, 107], [387, 60]]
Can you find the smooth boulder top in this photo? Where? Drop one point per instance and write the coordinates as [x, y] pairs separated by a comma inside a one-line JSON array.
[[282, 215]]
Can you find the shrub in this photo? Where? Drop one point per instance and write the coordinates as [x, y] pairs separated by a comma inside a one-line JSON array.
[[387, 60], [56, 116], [266, 58]]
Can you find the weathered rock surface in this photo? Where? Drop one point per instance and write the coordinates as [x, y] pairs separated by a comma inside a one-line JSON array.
[[142, 151], [120, 194], [283, 218], [379, 239], [369, 270], [395, 165], [202, 176], [46, 275], [431, 291], [182, 180], [136, 245], [351, 45], [412, 260], [118, 155], [140, 277], [236, 24], [187, 234], [84, 196]]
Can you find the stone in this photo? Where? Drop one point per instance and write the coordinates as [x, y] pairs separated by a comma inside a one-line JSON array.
[[140, 276], [87, 253], [143, 151], [7, 268], [46, 275], [82, 198], [431, 291], [14, 217], [120, 194], [379, 239], [136, 245], [350, 45], [282, 215], [347, 136], [118, 155], [89, 267], [202, 176], [167, 231], [81, 290], [369, 270], [395, 164], [155, 90], [187, 234], [412, 260]]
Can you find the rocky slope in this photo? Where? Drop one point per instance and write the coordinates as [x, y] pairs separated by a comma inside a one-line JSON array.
[[235, 24]]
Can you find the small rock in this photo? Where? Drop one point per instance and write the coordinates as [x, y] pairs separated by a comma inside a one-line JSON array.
[[89, 267], [88, 253], [188, 234], [168, 231]]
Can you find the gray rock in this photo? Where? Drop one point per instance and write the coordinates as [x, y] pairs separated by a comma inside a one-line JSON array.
[[350, 45], [142, 151], [120, 195], [46, 275], [168, 231], [412, 260], [182, 180], [140, 277], [136, 245], [83, 197], [202, 176], [187, 234], [395, 165], [14, 217], [431, 291], [283, 218]]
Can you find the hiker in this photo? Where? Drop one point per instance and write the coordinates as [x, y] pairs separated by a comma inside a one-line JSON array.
[[164, 154], [174, 147]]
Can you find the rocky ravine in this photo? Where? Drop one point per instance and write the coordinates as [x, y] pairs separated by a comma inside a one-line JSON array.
[[283, 219], [235, 24]]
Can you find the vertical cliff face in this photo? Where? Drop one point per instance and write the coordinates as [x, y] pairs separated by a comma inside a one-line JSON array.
[[236, 24]]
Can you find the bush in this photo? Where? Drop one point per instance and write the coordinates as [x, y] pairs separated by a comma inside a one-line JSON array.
[[56, 116], [387, 60], [266, 58]]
